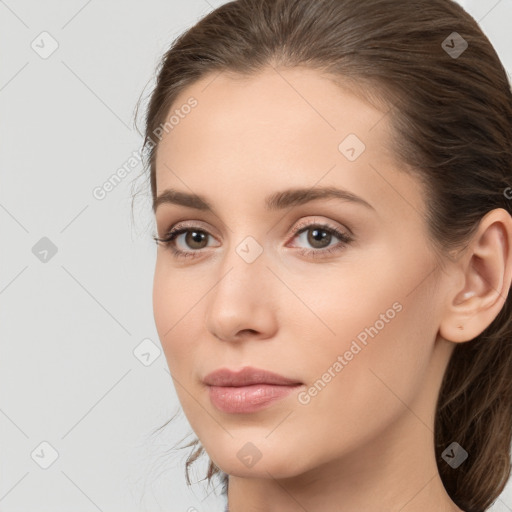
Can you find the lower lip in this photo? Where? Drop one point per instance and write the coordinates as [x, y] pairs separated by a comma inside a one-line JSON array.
[[244, 399]]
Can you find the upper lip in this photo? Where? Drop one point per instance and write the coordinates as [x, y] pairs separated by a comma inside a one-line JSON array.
[[246, 377]]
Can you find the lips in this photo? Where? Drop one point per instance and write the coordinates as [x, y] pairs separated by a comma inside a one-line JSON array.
[[248, 390], [247, 376]]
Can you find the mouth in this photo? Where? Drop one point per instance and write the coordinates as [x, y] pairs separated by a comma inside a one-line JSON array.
[[247, 390], [247, 399]]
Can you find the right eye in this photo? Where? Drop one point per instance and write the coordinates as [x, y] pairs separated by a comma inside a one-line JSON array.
[[194, 236]]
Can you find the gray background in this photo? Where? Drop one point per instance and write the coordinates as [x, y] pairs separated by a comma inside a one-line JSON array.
[[74, 323]]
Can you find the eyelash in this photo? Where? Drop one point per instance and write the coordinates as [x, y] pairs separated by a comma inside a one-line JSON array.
[[173, 233]]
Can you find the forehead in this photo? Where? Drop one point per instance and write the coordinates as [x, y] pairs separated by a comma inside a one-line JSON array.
[[278, 106], [274, 129]]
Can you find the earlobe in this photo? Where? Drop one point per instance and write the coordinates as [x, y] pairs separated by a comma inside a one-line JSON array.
[[486, 267]]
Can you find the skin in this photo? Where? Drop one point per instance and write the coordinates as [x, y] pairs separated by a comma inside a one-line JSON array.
[[365, 442]]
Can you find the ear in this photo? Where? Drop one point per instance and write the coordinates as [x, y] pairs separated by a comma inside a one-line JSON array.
[[485, 271]]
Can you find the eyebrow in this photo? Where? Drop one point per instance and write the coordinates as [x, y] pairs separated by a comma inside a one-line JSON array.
[[276, 201]]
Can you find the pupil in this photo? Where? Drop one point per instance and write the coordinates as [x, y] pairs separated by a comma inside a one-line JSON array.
[[197, 236], [323, 236]]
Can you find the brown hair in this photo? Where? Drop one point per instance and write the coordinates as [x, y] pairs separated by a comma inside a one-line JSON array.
[[451, 119]]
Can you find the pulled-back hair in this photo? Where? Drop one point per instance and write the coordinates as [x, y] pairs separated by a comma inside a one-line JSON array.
[[451, 125]]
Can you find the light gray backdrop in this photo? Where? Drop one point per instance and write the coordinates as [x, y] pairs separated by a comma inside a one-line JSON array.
[[83, 381]]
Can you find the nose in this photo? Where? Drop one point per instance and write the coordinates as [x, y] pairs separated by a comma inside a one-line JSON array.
[[243, 302]]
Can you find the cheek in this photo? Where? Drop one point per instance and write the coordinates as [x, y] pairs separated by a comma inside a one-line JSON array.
[[175, 310], [180, 336], [163, 305], [378, 356], [176, 314], [380, 300], [374, 313]]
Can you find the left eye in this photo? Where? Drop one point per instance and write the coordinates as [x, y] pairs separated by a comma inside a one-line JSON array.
[[319, 236]]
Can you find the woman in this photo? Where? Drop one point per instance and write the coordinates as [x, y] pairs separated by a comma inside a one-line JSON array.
[[331, 187]]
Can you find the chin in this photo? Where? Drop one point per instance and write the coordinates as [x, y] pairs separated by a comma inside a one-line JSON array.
[[259, 458]]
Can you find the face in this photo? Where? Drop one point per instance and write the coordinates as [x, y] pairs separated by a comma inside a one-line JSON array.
[[340, 295]]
